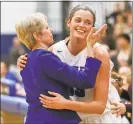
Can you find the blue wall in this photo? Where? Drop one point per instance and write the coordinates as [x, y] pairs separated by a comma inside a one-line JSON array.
[[6, 43]]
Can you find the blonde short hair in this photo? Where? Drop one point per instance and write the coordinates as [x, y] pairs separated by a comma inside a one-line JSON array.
[[27, 26]]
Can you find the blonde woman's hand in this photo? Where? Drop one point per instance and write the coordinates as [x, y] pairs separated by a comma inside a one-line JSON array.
[[55, 102]]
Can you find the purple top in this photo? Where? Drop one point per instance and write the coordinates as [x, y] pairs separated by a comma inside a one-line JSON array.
[[45, 72]]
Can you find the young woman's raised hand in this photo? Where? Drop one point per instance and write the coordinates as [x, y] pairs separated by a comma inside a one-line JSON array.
[[95, 36]]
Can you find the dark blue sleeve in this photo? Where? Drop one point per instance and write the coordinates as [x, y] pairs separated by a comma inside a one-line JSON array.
[[68, 75]]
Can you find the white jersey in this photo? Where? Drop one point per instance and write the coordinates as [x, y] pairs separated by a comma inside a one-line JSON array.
[[61, 50]]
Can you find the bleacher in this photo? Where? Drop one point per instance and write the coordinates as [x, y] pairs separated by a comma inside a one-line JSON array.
[[13, 108]]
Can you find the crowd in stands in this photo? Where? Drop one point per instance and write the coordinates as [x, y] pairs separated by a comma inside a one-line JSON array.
[[118, 41], [11, 85], [10, 74]]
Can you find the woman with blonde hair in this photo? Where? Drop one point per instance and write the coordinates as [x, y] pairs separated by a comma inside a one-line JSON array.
[[45, 72]]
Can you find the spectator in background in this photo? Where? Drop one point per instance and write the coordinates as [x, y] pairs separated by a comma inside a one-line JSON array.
[[119, 21], [128, 19], [5, 73], [122, 52], [125, 73], [15, 51], [117, 81], [124, 107], [111, 20], [127, 6], [117, 11], [119, 26], [17, 88]]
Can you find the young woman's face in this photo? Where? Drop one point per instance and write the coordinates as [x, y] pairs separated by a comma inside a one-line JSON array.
[[81, 24]]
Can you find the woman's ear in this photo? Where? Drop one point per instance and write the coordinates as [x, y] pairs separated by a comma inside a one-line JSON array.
[[68, 24], [36, 36]]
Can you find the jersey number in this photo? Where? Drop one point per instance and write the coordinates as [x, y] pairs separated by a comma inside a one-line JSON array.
[[77, 92]]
